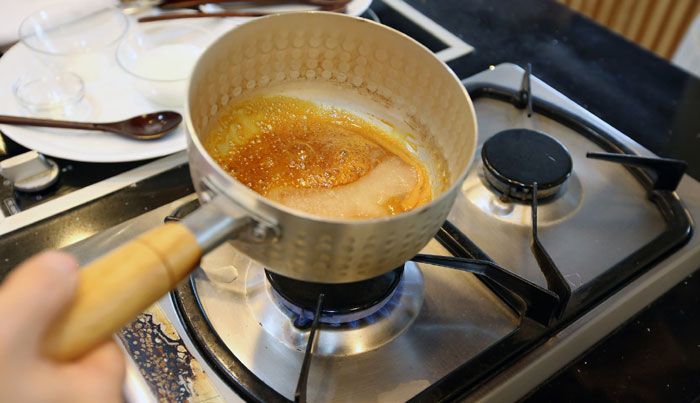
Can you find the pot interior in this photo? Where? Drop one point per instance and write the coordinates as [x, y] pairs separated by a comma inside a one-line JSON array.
[[348, 63]]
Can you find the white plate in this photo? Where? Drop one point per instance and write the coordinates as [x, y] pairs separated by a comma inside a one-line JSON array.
[[109, 97], [354, 7]]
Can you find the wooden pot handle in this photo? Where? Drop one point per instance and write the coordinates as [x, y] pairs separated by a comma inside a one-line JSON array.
[[114, 289]]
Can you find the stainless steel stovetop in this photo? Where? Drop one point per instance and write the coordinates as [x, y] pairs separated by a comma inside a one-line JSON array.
[[440, 319]]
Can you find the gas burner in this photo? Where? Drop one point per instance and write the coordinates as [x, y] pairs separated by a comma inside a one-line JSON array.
[[390, 318], [515, 159], [343, 303]]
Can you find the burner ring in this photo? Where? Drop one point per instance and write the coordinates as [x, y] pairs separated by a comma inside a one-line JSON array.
[[343, 302], [335, 339], [517, 158]]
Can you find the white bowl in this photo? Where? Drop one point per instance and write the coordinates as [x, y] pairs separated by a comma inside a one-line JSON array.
[[159, 57]]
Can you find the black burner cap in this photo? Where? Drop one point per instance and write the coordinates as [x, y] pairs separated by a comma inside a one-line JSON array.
[[339, 298], [515, 159]]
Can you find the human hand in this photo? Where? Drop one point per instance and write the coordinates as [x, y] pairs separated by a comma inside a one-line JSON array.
[[31, 298]]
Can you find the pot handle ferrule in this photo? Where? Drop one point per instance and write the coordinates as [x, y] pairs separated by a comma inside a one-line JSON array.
[[211, 227]]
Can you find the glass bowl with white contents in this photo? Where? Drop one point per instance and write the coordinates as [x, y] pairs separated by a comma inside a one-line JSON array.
[[159, 57]]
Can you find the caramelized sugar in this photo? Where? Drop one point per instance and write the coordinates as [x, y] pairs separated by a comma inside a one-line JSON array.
[[320, 160]]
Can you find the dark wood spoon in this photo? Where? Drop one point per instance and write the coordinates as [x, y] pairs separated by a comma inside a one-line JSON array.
[[191, 3], [143, 127], [177, 16]]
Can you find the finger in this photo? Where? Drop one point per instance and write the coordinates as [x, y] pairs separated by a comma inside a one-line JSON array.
[[97, 376], [34, 294], [106, 359]]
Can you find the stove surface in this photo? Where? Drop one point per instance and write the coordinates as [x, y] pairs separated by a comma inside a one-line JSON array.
[[602, 216], [618, 205], [427, 338]]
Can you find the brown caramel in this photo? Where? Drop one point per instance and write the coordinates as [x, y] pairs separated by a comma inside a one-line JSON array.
[[321, 160]]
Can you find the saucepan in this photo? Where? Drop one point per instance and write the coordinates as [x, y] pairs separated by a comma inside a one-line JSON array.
[[349, 63]]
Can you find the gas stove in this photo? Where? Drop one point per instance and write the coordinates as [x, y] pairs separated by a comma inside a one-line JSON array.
[[491, 308]]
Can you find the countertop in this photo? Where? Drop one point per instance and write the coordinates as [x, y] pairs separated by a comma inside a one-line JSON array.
[[655, 356]]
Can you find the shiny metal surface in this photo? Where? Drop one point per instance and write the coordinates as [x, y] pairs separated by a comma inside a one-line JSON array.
[[211, 228], [477, 190], [369, 69], [89, 249], [516, 381], [383, 361], [30, 171], [603, 216], [260, 300], [515, 192]]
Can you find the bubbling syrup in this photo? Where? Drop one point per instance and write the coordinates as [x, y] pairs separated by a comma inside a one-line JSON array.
[[320, 160]]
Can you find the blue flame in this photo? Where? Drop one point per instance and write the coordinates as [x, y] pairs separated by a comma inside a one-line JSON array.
[[301, 318]]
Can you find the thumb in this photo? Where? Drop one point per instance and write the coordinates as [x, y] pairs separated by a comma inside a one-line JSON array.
[[35, 293]]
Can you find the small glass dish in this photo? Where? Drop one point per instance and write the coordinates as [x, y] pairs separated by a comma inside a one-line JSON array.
[[160, 57], [53, 96]]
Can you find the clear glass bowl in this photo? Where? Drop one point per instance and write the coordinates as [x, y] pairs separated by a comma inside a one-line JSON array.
[[72, 29], [52, 96], [159, 57], [77, 37]]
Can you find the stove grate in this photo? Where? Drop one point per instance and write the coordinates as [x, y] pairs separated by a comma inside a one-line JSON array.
[[660, 184], [542, 311]]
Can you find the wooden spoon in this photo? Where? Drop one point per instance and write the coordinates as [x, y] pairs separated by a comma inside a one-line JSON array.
[[150, 126]]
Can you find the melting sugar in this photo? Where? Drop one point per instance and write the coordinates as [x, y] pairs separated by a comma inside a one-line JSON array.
[[320, 160]]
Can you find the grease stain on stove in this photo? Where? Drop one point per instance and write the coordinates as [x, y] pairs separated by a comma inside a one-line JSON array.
[[169, 369]]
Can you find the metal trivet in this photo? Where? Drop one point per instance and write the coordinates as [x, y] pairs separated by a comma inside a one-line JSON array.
[[659, 176]]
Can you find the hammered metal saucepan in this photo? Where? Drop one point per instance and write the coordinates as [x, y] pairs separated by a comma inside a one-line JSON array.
[[332, 59]]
